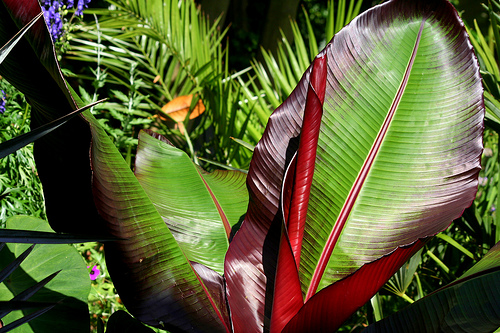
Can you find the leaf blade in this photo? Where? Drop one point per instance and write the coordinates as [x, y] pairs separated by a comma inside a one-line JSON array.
[[199, 208], [409, 147], [150, 271]]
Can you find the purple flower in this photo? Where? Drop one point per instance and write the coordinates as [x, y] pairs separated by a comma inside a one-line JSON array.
[[82, 4], [94, 272], [2, 102], [52, 12]]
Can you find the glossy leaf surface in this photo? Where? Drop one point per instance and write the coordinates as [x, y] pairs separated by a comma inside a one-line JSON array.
[[151, 273], [200, 209], [402, 153], [397, 160], [470, 304]]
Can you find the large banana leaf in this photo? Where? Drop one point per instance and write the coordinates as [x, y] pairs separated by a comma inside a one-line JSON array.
[[389, 158], [469, 304]]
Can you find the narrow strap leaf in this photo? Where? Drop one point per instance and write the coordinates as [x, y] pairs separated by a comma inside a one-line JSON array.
[[10, 146], [26, 294], [42, 237], [5, 50], [15, 264], [25, 319]]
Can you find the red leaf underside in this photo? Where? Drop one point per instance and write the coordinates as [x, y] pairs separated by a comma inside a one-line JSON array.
[[329, 308], [288, 298]]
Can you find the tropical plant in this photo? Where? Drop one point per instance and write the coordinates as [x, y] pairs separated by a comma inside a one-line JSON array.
[[175, 52], [482, 220], [281, 71], [375, 151], [64, 282], [33, 302]]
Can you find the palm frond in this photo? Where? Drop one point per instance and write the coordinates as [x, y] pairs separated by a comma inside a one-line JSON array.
[[279, 73]]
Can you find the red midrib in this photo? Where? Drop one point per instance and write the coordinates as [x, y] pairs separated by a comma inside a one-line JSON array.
[[360, 180], [223, 217]]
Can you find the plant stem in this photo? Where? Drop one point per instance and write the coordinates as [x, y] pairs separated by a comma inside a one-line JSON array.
[[453, 242], [438, 261]]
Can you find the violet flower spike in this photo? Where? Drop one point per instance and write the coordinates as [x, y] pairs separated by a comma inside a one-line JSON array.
[[2, 102]]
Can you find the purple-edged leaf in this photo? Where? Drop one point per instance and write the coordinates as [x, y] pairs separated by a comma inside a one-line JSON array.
[[397, 160], [469, 304], [401, 138], [252, 256], [153, 276], [199, 208], [32, 68]]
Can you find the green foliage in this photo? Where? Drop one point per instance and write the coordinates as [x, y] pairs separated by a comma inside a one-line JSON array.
[[20, 188], [169, 49], [125, 117], [103, 299], [272, 81], [70, 287]]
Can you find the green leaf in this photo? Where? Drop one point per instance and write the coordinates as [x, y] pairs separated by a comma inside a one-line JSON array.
[[399, 282], [155, 280], [70, 288], [200, 209], [153, 276], [399, 141], [391, 139]]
